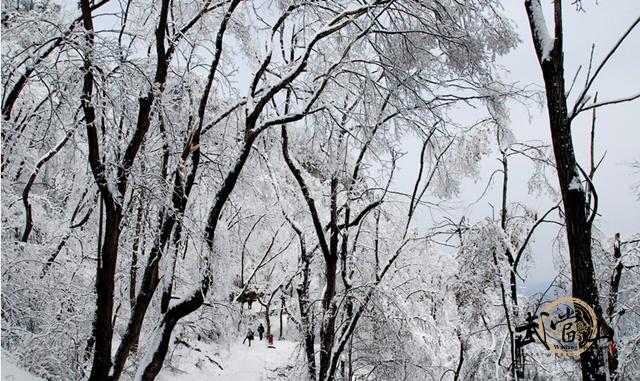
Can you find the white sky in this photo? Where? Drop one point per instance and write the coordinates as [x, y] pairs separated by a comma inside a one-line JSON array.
[[617, 130]]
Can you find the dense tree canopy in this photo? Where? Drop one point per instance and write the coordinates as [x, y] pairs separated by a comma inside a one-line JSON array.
[[175, 170]]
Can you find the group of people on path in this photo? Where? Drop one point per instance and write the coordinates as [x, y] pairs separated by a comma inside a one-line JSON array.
[[250, 335]]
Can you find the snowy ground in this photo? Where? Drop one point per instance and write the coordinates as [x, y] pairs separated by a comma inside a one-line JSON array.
[[11, 372], [258, 363], [242, 363]]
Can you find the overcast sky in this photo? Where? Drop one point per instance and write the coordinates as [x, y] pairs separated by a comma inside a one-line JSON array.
[[617, 131]]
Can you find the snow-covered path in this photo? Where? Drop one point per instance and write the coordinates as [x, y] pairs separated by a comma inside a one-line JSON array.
[[241, 363], [257, 363]]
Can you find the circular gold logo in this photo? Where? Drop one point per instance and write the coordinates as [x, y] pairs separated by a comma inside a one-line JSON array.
[[568, 326]]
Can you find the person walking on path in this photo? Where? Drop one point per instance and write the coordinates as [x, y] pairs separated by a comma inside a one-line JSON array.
[[260, 331], [248, 337]]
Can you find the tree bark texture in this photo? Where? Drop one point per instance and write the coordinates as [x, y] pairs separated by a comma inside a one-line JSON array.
[[573, 197]]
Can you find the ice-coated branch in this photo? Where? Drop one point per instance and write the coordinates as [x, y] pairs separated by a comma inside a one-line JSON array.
[[28, 223], [183, 31], [259, 266], [255, 107], [11, 99], [629, 98], [304, 189], [351, 325], [223, 115]]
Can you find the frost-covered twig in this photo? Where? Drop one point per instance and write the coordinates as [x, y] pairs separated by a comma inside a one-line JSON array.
[[610, 102], [28, 223]]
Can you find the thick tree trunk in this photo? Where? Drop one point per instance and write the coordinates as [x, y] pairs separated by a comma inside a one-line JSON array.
[[306, 326], [309, 337], [329, 252], [151, 367], [267, 317], [167, 291], [105, 278], [180, 197], [105, 283], [148, 285], [573, 196], [327, 332], [107, 255]]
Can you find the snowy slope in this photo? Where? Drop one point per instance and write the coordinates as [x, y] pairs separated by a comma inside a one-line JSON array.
[[257, 363], [11, 372]]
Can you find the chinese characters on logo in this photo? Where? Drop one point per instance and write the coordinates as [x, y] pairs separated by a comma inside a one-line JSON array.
[[566, 326]]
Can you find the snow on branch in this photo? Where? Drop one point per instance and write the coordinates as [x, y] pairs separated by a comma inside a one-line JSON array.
[[609, 102], [543, 41], [254, 107]]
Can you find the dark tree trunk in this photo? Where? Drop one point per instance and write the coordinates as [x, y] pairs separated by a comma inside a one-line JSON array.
[[280, 337], [267, 318], [329, 252], [180, 196], [106, 267], [327, 332], [170, 319], [303, 299], [174, 314], [573, 197], [503, 224], [309, 337], [509, 256], [105, 283], [615, 278], [456, 374], [107, 255], [133, 270], [148, 285], [252, 131], [168, 290]]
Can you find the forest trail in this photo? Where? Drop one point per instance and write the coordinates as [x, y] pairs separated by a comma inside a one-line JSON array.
[[257, 363], [240, 363]]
